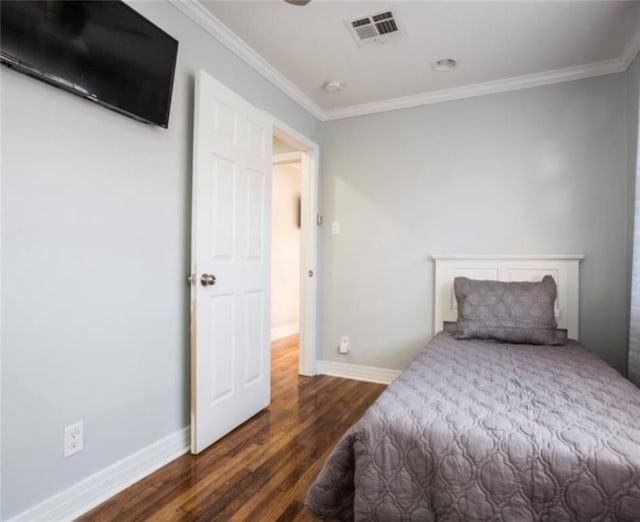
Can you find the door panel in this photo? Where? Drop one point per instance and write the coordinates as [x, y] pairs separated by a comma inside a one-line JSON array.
[[254, 332], [223, 208], [231, 223], [255, 230], [221, 321]]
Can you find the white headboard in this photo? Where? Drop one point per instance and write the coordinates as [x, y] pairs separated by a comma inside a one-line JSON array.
[[563, 268]]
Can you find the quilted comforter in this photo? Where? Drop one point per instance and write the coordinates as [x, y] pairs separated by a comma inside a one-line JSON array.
[[480, 430]]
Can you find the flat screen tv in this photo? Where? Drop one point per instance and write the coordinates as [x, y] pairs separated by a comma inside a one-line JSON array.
[[104, 51]]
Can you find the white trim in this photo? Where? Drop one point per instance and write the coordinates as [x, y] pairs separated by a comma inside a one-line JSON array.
[[568, 257], [564, 269], [285, 331], [92, 491], [631, 49], [309, 261], [357, 372], [212, 25], [479, 89]]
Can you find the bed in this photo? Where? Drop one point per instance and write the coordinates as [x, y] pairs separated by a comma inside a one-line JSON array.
[[486, 430]]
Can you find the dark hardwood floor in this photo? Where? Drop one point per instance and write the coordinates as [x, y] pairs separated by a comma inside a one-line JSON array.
[[262, 470]]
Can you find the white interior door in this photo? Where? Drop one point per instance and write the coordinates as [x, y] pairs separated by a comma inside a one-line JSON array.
[[230, 326]]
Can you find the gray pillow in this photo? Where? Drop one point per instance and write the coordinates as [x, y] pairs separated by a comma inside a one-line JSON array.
[[515, 312]]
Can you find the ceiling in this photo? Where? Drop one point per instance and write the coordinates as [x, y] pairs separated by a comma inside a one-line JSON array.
[[499, 46]]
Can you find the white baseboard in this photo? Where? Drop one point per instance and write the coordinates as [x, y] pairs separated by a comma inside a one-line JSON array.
[[88, 493], [357, 371], [285, 331]]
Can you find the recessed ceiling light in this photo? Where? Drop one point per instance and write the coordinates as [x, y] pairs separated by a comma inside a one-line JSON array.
[[444, 64], [334, 86]]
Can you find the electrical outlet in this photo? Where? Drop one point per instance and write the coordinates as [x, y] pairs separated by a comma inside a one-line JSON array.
[[335, 228], [344, 344], [73, 439]]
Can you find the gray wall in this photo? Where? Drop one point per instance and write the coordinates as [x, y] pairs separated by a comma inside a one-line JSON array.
[[95, 240], [537, 171], [633, 93]]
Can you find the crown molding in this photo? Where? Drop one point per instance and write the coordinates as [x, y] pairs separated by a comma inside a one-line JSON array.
[[480, 89], [212, 25], [631, 50]]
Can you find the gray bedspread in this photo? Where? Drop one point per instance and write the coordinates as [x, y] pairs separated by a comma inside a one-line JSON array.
[[480, 430]]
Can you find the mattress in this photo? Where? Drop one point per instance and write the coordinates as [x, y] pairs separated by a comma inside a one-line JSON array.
[[481, 430]]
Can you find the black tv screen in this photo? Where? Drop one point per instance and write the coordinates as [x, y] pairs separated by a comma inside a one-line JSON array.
[[104, 51]]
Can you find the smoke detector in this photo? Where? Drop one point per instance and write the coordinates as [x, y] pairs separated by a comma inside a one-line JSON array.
[[444, 64], [334, 86], [376, 29]]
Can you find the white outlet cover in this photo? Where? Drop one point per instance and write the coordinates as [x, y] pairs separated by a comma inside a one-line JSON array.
[[335, 228], [73, 439]]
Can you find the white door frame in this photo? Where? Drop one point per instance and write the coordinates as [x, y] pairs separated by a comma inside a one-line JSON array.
[[310, 154]]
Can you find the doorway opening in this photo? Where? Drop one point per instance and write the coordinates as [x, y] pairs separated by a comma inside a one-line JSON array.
[[293, 245], [285, 243]]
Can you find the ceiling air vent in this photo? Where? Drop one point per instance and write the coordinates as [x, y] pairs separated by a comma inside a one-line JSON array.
[[376, 29]]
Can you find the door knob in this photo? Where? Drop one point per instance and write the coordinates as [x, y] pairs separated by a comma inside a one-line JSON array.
[[208, 279]]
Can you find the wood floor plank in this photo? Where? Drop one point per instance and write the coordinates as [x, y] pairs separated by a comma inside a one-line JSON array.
[[262, 470]]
